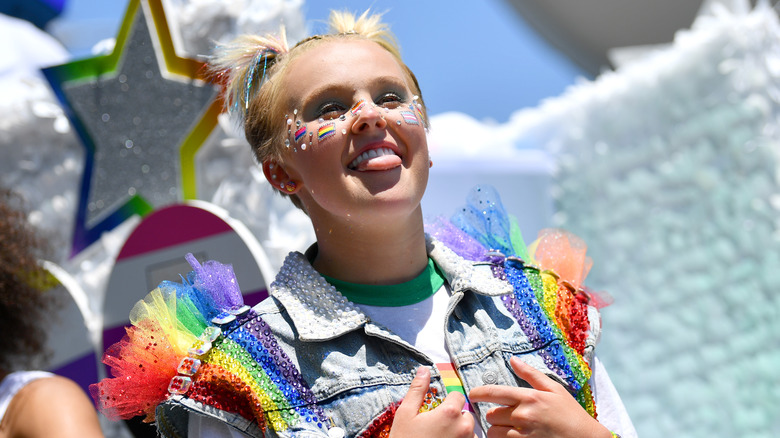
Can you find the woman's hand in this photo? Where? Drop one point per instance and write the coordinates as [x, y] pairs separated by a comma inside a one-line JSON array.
[[446, 420], [545, 410]]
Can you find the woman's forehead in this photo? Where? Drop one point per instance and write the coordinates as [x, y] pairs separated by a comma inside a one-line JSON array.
[[348, 60]]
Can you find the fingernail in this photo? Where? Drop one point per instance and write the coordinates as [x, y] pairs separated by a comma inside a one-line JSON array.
[[421, 371]]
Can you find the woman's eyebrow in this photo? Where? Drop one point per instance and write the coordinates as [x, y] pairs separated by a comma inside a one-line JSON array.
[[391, 80], [327, 91], [339, 90]]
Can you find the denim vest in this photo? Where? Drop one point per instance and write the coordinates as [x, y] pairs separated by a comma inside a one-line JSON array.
[[358, 371]]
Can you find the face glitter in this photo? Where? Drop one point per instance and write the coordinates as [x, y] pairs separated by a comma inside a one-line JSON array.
[[297, 136]]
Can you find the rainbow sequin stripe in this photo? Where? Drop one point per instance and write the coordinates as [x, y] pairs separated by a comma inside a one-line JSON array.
[[551, 311], [197, 339], [380, 427], [554, 320], [246, 372]]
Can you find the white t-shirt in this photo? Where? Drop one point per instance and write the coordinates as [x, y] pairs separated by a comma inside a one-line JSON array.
[[422, 325]]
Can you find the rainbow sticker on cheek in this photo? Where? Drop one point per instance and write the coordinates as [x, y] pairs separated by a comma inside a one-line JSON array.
[[326, 130], [409, 118], [357, 107], [300, 133], [416, 107]]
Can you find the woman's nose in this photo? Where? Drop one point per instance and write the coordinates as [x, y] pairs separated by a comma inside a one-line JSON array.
[[367, 117]]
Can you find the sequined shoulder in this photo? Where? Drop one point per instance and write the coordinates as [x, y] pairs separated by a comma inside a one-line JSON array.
[[548, 298], [196, 344]]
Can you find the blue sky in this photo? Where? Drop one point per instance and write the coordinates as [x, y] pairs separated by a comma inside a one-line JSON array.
[[478, 58]]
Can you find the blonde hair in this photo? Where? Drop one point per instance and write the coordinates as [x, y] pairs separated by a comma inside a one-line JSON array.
[[251, 69]]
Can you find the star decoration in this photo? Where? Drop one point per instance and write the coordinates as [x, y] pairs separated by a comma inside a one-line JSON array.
[[142, 112]]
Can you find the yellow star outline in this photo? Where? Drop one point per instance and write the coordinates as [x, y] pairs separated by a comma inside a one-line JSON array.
[[185, 67], [177, 65]]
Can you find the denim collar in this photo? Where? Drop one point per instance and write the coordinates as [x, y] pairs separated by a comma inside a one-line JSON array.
[[319, 312]]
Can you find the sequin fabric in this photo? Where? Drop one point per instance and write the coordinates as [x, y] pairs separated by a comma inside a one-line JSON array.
[[380, 427], [552, 311], [320, 311], [544, 313], [247, 373]]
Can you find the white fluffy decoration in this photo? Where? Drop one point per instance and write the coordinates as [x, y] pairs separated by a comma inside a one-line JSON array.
[[201, 23], [668, 168]]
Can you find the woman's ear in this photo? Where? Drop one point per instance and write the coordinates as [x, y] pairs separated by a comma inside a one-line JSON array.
[[278, 177]]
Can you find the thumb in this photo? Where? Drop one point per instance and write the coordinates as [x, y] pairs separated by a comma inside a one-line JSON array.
[[537, 379], [413, 399]]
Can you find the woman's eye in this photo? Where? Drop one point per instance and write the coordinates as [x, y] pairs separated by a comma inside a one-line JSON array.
[[330, 111], [390, 101]]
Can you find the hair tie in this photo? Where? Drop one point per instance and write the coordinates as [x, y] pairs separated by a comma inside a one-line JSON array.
[[237, 66], [263, 54]]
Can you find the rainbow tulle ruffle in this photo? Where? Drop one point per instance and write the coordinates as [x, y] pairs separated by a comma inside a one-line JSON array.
[[197, 338], [549, 302]]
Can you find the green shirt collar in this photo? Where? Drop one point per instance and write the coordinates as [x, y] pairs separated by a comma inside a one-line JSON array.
[[395, 295]]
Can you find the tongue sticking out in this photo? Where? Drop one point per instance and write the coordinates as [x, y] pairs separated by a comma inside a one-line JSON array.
[[376, 159], [385, 162]]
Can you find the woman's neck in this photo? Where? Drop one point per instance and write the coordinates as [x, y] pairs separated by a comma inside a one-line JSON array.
[[386, 254]]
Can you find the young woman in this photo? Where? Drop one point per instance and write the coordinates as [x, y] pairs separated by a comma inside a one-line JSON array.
[[379, 329], [32, 403]]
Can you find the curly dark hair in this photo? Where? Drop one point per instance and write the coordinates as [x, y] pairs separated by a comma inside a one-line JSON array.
[[23, 304]]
